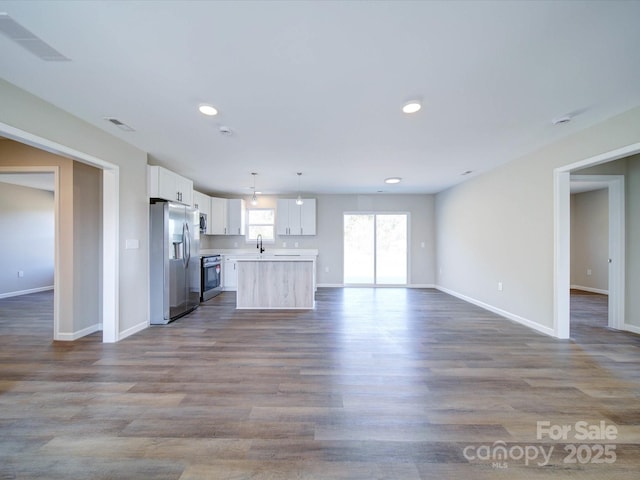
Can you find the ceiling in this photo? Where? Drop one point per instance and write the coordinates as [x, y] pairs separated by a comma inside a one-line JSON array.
[[317, 87], [41, 181]]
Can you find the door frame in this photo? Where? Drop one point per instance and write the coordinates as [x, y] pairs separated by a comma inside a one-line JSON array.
[[375, 284], [562, 257], [616, 239], [110, 230]]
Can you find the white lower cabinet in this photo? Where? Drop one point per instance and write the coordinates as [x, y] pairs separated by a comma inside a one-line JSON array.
[[230, 274]]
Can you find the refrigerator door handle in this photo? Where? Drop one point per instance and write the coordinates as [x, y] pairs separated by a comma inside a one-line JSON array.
[[187, 244], [184, 245]]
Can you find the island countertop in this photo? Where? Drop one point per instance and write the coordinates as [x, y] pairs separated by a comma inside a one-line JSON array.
[[277, 258]]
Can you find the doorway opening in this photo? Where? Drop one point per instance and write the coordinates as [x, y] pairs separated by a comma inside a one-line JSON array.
[[562, 248], [110, 205], [590, 253], [376, 249]]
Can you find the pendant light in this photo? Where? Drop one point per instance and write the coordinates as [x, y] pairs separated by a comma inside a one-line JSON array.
[[299, 200], [254, 199]]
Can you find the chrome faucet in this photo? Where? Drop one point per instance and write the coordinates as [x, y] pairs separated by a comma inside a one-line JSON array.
[[259, 243]]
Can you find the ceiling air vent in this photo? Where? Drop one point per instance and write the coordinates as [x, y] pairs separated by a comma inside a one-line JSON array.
[[119, 124], [28, 40]]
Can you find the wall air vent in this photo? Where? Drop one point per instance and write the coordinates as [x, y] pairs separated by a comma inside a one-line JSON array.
[[28, 40], [119, 124]]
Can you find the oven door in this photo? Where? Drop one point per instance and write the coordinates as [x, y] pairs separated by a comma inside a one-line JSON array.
[[211, 278]]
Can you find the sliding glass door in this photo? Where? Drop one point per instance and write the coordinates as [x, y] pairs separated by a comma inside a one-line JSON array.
[[375, 248]]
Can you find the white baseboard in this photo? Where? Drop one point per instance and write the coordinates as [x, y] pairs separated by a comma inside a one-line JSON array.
[[421, 285], [631, 328], [589, 289], [69, 337], [97, 328], [26, 292], [330, 285], [503, 313], [135, 329]]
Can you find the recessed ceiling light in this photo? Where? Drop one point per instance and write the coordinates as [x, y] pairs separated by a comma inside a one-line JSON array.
[[208, 110], [412, 106], [392, 180]]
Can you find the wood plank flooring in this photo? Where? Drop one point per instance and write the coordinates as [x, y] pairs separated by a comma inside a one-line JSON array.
[[372, 384]]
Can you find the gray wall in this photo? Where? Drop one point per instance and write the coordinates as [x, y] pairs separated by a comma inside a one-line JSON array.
[[87, 245], [498, 227], [329, 238], [590, 240], [27, 240], [28, 113]]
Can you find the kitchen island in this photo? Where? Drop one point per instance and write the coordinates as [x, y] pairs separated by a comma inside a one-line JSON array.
[[276, 282]]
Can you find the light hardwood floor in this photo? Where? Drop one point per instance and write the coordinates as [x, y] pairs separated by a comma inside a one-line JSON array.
[[372, 384]]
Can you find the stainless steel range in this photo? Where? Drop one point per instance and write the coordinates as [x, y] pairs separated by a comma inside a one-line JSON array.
[[211, 277]]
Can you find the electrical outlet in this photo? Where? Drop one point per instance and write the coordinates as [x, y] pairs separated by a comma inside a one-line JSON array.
[[499, 286], [422, 244], [235, 244], [326, 269], [295, 244], [588, 272], [284, 244], [20, 273]]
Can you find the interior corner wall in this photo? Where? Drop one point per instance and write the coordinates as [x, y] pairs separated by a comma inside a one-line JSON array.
[[28, 213], [590, 240], [632, 229], [31, 114], [499, 226], [87, 247]]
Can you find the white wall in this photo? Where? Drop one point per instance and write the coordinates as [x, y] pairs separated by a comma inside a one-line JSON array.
[[27, 239], [498, 227], [28, 113], [329, 238], [590, 240]]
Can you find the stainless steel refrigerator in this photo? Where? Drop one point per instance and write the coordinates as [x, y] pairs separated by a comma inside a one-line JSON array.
[[174, 261]]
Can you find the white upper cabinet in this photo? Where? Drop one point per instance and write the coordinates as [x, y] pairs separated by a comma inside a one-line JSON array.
[[293, 219], [202, 202], [227, 216], [217, 225], [308, 217], [168, 185], [235, 216]]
